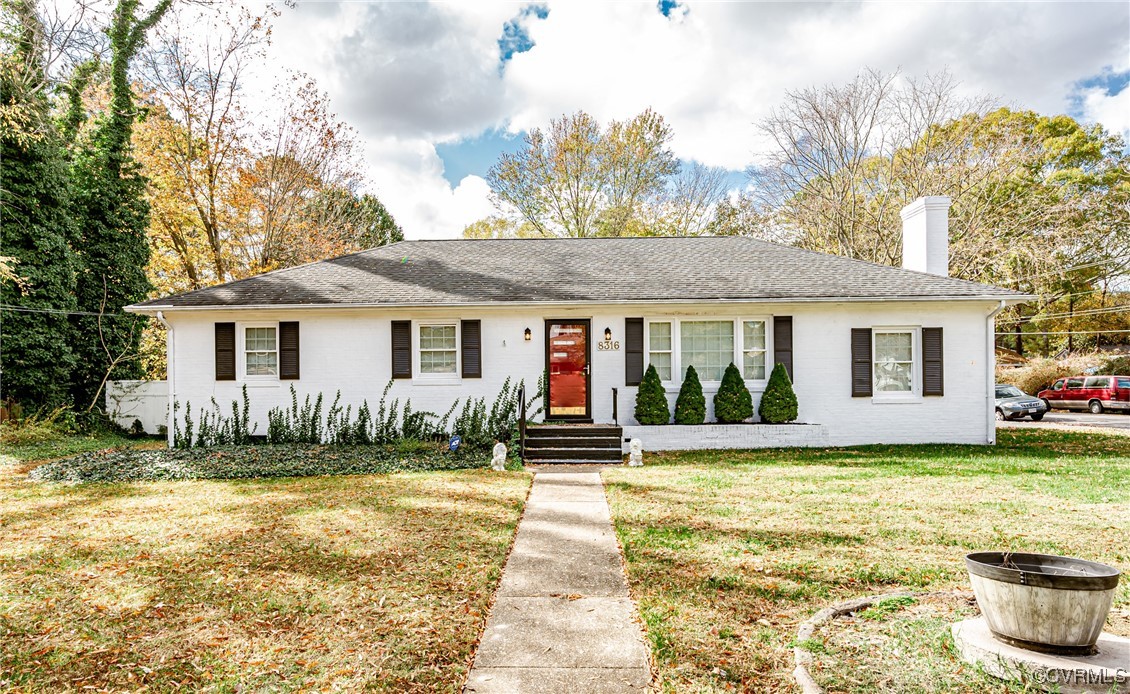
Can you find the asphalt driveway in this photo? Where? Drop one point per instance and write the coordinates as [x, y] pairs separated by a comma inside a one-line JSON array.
[[1061, 419]]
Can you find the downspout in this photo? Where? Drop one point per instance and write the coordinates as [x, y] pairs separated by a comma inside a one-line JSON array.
[[169, 362], [991, 374]]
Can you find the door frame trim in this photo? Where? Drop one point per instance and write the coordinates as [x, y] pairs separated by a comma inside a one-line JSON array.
[[587, 416]]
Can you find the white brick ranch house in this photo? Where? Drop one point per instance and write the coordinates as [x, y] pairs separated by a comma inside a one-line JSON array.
[[877, 354]]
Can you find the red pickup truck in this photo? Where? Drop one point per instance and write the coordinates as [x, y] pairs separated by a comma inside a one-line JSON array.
[[1094, 393]]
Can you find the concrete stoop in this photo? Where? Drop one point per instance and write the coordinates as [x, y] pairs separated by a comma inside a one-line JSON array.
[[1107, 672]]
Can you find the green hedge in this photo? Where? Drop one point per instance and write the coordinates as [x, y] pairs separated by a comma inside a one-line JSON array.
[[732, 403], [268, 460], [778, 402], [651, 400], [690, 408]]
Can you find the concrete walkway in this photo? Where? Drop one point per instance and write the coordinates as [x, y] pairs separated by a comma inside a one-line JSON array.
[[562, 619]]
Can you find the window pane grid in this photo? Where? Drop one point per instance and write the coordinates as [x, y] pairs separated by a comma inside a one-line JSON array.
[[708, 346], [660, 349], [753, 350], [894, 362], [437, 349], [260, 352]]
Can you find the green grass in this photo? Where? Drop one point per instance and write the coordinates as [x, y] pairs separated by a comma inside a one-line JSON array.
[[333, 583], [727, 552], [16, 450]]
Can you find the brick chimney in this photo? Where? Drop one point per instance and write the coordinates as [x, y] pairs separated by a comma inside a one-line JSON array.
[[926, 235]]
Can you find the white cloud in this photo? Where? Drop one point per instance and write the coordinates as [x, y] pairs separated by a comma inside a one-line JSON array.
[[1112, 111], [409, 75]]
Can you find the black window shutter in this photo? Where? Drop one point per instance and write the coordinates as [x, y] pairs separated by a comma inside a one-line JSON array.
[[633, 351], [783, 343], [471, 337], [933, 381], [402, 349], [861, 362], [288, 350], [225, 351]]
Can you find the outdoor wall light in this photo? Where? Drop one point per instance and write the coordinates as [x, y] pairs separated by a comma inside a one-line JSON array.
[[529, 335], [608, 333]]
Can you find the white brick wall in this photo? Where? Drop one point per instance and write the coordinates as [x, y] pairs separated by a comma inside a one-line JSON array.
[[733, 436], [348, 350]]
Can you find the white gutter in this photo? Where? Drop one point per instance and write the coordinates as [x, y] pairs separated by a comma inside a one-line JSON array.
[[151, 310], [169, 362], [991, 374]]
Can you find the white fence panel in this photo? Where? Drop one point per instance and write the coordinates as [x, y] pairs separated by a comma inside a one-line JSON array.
[[147, 401]]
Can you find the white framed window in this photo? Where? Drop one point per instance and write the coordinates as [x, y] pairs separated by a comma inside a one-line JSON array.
[[710, 345], [894, 361], [754, 349], [660, 348], [259, 351], [437, 350]]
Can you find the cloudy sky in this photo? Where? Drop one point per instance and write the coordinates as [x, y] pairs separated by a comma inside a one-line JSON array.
[[438, 90]]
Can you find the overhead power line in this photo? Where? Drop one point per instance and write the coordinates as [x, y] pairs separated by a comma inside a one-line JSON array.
[[1065, 332], [1083, 313], [1065, 270], [61, 312]]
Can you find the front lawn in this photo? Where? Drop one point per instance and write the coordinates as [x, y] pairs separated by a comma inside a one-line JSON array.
[[338, 582], [728, 552]]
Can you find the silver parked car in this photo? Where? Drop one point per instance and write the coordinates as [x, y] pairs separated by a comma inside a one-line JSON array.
[[1013, 403]]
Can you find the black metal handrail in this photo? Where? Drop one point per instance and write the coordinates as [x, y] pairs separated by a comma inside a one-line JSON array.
[[522, 423], [615, 408]]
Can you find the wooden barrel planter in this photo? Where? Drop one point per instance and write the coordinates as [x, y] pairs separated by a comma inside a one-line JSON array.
[[1043, 602]]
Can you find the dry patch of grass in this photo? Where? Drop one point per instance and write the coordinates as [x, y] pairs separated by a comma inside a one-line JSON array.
[[349, 582], [727, 552]]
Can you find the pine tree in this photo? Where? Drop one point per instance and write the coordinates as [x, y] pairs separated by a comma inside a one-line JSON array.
[[35, 224], [778, 402], [651, 400], [732, 402], [690, 408], [112, 217]]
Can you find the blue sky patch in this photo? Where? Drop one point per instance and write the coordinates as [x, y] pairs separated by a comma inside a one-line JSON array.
[[474, 156], [666, 7], [515, 37], [1109, 81]]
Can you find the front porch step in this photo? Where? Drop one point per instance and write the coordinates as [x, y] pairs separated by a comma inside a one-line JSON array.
[[604, 453], [573, 444], [573, 430]]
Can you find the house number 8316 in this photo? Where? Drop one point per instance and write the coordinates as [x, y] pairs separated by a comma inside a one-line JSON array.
[[608, 346]]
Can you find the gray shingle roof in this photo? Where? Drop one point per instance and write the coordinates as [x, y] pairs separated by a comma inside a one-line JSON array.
[[430, 273]]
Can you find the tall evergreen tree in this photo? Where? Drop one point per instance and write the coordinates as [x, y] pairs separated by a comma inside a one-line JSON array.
[[112, 216], [35, 356]]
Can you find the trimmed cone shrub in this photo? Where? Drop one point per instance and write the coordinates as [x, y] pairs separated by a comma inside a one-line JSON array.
[[732, 402], [690, 408], [778, 402], [651, 400]]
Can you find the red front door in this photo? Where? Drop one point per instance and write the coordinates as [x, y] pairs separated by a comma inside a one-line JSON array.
[[567, 361]]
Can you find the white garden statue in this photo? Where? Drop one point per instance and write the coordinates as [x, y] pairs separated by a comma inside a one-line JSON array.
[[635, 453], [498, 462]]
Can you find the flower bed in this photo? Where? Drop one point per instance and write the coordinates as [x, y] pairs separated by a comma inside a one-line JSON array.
[[239, 462]]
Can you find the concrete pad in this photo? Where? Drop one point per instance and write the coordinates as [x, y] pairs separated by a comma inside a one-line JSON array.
[[1106, 672], [576, 486], [558, 680], [534, 574], [562, 633], [569, 513]]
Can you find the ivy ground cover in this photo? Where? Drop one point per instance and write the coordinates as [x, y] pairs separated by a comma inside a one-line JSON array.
[[728, 552], [318, 583]]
